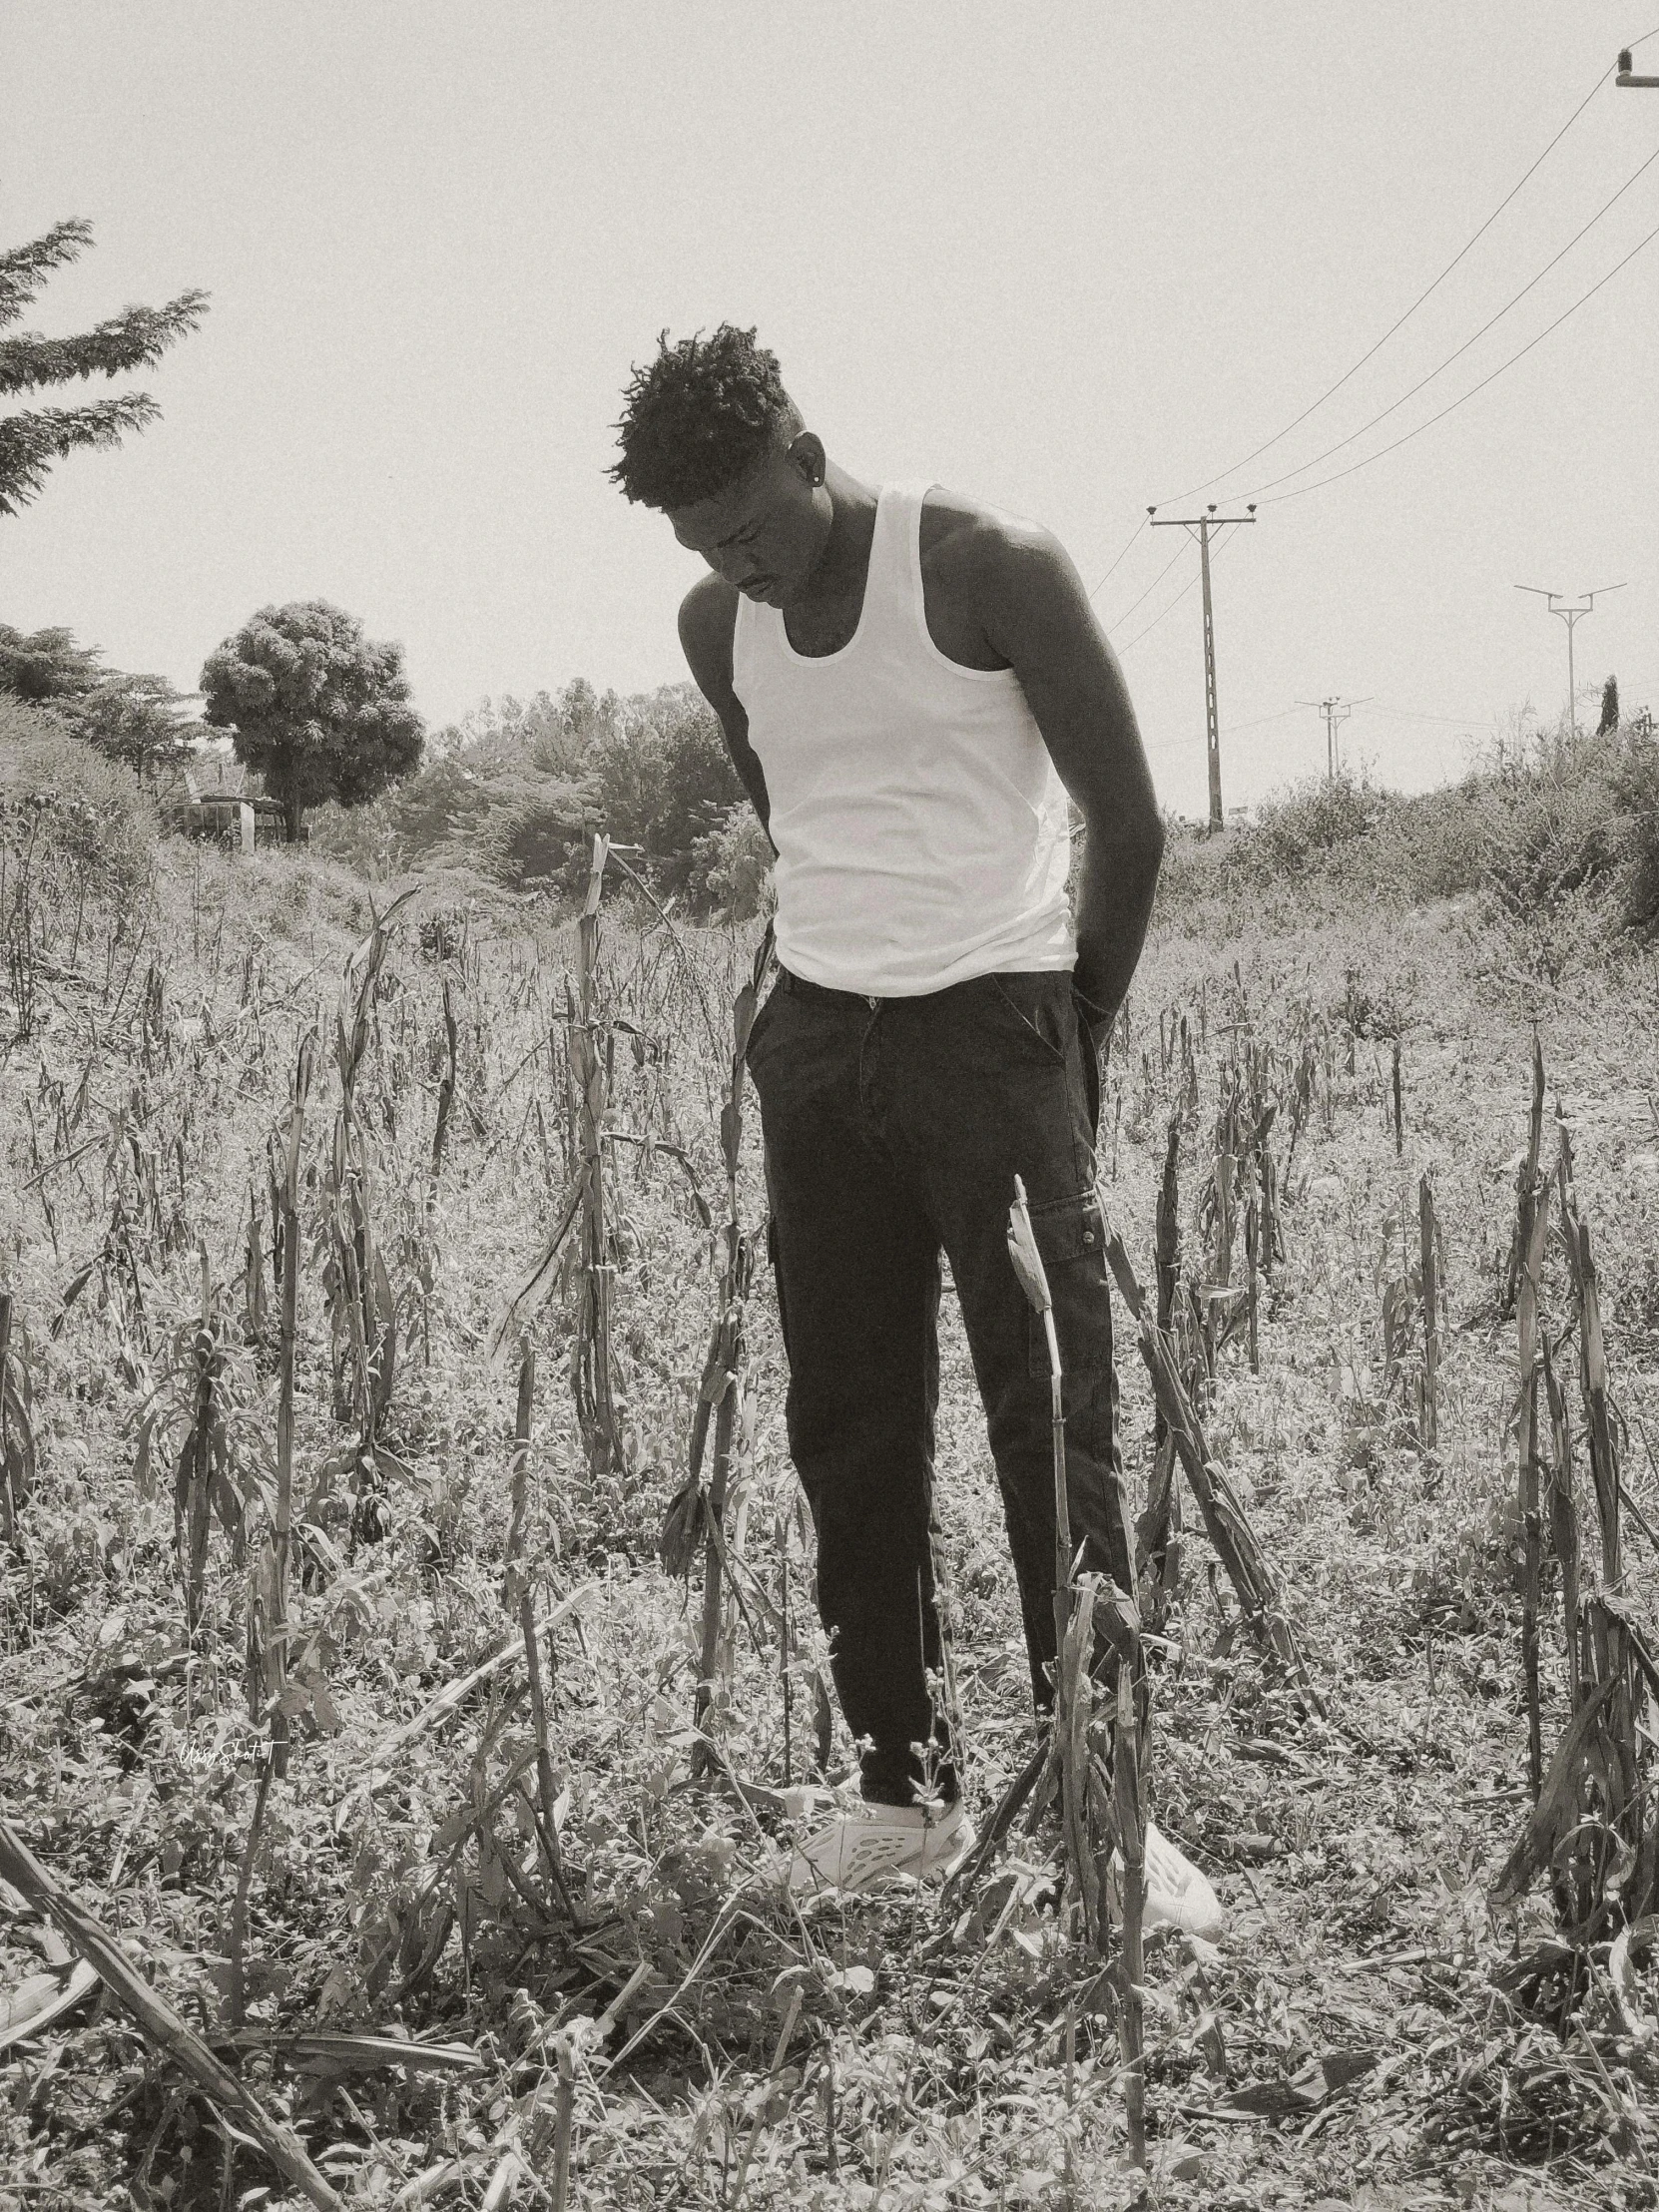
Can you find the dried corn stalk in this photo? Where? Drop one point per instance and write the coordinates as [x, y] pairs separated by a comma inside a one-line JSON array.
[[159, 2024], [721, 1393], [593, 1360], [1533, 1229], [1158, 1537], [198, 1412], [1592, 1828], [269, 1611], [1223, 1517], [17, 1432], [362, 1311], [513, 1583], [1102, 1802], [1428, 1241]]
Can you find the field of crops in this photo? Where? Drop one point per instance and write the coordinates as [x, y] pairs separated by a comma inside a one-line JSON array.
[[376, 1287]]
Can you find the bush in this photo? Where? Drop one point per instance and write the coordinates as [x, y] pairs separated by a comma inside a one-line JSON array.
[[516, 790], [1559, 835], [1309, 826], [1634, 781], [80, 822], [364, 839], [731, 867]]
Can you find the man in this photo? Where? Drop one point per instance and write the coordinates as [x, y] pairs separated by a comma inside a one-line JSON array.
[[911, 684]]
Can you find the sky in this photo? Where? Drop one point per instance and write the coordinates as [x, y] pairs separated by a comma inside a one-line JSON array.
[[1072, 259]]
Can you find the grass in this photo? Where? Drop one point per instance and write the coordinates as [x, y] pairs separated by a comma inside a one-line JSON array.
[[659, 2017]]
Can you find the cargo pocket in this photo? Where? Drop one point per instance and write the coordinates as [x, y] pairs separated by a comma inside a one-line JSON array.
[[1071, 1237]]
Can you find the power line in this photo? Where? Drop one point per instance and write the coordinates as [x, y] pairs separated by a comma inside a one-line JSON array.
[[1237, 728], [1147, 594], [1336, 476], [1147, 628], [1118, 563], [1329, 392], [1462, 722], [1303, 467], [1153, 624]]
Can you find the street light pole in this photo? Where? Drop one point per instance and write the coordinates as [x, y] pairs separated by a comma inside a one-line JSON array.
[[1571, 616]]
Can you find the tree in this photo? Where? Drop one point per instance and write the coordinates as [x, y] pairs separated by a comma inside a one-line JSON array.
[[1609, 706], [34, 437], [44, 666], [322, 711], [140, 719]]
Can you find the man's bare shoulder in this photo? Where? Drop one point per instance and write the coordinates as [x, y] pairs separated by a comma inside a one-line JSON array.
[[708, 616], [969, 542]]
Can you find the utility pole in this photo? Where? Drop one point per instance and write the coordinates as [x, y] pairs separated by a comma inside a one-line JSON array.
[[1571, 616], [1202, 524], [1336, 711], [1630, 82]]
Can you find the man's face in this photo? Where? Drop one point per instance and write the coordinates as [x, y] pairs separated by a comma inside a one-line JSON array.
[[764, 533]]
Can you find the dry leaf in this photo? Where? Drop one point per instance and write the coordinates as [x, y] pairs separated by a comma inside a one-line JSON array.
[[44, 1998]]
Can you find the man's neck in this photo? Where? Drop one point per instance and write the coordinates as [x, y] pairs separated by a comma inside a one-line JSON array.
[[844, 563]]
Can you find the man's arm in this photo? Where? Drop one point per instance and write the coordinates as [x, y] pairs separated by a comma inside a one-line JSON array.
[[1036, 614], [708, 616]]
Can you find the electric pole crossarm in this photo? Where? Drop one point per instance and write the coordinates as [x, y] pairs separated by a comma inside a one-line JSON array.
[[1630, 82], [1571, 616]]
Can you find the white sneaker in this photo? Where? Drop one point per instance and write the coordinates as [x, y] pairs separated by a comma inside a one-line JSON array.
[[878, 1844], [1176, 1895]]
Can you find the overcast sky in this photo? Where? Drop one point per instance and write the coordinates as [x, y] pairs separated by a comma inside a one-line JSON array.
[[1072, 259]]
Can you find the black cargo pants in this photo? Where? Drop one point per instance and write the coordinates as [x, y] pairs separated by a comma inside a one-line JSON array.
[[894, 1130]]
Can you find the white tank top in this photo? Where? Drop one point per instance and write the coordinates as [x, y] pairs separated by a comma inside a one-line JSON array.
[[922, 832]]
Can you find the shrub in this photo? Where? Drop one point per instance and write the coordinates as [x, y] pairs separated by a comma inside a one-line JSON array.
[[82, 821], [731, 867], [1558, 834], [364, 839], [1310, 825], [1634, 781], [516, 789]]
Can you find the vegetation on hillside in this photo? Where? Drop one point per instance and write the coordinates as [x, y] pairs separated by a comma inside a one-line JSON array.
[[515, 791], [75, 826], [139, 720], [459, 1930], [1558, 837]]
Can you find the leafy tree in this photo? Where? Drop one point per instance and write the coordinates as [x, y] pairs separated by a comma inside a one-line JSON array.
[[44, 666], [1609, 706], [140, 719], [318, 709], [32, 438], [662, 778], [513, 789]]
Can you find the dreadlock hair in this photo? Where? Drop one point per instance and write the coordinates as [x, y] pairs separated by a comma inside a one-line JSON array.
[[699, 416]]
